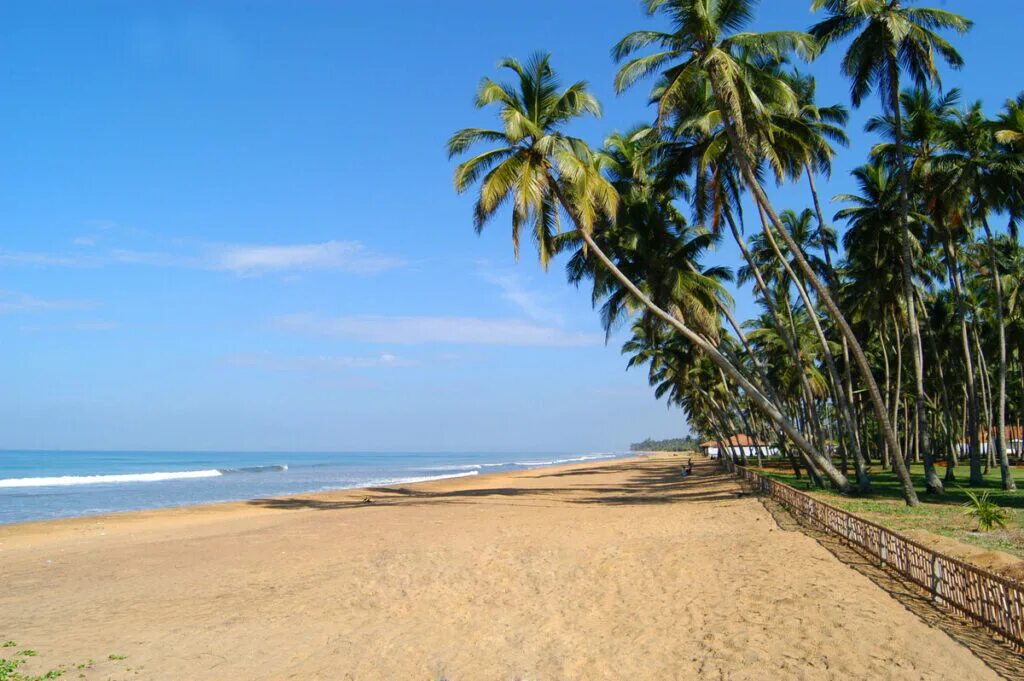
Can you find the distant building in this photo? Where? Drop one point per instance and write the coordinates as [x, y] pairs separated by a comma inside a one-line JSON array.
[[1013, 436], [738, 446]]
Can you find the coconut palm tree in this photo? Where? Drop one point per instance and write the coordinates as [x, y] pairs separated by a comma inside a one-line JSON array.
[[894, 38], [925, 115], [706, 51], [537, 169], [974, 163]]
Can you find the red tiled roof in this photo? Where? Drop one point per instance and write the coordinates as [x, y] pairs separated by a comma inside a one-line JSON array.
[[735, 441], [1011, 433]]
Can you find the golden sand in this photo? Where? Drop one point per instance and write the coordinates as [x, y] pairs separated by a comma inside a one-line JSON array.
[[621, 570]]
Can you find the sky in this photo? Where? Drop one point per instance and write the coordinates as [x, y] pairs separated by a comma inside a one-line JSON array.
[[231, 226]]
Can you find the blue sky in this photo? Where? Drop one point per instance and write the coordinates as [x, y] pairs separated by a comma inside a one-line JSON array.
[[231, 226]]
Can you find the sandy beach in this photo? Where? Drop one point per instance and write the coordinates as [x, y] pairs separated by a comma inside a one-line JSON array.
[[615, 570]]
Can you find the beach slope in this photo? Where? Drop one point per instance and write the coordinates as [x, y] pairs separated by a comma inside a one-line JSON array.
[[616, 570]]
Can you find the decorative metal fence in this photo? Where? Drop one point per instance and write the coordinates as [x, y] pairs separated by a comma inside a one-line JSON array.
[[992, 600]]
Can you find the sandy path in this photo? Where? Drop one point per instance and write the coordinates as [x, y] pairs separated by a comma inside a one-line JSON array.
[[615, 571]]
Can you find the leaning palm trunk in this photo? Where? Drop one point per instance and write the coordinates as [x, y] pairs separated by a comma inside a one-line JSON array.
[[1004, 461], [932, 482], [737, 139], [755, 395], [784, 333], [834, 283], [837, 388]]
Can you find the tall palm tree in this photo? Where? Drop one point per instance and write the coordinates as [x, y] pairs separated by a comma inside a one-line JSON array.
[[894, 38], [974, 163], [707, 50], [925, 115], [537, 169]]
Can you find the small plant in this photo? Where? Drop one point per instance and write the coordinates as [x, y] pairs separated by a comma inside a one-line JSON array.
[[988, 513], [116, 657], [9, 669], [9, 644]]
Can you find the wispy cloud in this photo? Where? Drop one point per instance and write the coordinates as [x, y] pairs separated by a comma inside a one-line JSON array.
[[417, 330], [15, 301], [515, 291], [43, 259], [241, 259], [270, 362], [348, 256]]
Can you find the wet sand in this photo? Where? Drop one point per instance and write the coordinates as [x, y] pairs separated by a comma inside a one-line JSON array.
[[618, 570]]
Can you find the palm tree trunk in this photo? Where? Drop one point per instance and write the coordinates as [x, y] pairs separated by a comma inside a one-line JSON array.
[[1004, 462], [986, 399], [974, 448], [932, 482], [834, 283], [863, 483], [755, 395], [762, 286], [886, 454], [738, 141], [947, 412], [898, 383]]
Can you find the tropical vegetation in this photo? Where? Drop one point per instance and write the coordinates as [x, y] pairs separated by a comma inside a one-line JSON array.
[[887, 334]]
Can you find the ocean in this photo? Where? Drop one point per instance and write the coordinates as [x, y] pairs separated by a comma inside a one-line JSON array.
[[38, 485]]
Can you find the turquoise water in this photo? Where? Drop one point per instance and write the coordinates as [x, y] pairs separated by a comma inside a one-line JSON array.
[[39, 485]]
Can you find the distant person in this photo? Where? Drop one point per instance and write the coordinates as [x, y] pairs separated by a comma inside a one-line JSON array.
[[689, 466]]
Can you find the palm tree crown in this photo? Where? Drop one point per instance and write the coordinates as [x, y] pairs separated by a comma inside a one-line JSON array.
[[533, 153]]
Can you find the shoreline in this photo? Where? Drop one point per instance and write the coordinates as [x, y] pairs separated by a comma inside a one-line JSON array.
[[102, 522]]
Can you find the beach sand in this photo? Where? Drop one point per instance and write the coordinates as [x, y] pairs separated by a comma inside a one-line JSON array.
[[615, 570]]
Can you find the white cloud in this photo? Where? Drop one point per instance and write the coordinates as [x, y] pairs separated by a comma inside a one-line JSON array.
[[14, 301], [240, 259], [514, 290], [348, 256], [45, 259], [416, 330], [317, 363]]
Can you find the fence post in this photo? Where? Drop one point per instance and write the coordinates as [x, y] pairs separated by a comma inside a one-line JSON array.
[[936, 577]]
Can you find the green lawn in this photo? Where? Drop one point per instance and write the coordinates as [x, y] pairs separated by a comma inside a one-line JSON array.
[[939, 514]]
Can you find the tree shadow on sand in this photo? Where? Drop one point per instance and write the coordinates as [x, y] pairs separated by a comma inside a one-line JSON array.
[[650, 483], [998, 655]]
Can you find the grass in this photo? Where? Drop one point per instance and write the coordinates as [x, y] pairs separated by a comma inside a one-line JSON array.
[[940, 514], [10, 668]]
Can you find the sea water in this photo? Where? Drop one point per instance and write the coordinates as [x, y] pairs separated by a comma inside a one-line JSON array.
[[36, 485]]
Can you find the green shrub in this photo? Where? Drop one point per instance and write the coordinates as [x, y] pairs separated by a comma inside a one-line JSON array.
[[989, 514]]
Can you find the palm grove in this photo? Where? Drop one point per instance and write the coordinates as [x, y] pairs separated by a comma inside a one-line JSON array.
[[902, 342]]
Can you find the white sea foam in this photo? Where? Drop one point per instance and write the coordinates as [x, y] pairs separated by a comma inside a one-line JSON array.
[[65, 480], [465, 467], [403, 481], [572, 459], [498, 464]]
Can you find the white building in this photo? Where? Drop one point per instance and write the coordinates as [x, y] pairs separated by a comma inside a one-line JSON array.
[[1014, 439], [738, 446]]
